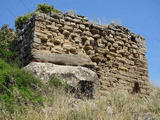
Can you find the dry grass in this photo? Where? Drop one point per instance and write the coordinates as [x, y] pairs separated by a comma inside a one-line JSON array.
[[116, 106]]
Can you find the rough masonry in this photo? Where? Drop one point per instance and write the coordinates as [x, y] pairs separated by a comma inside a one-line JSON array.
[[115, 53]]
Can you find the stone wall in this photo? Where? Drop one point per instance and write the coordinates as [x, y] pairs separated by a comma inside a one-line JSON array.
[[115, 53]]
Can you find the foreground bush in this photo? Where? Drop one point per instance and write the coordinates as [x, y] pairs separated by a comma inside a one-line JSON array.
[[17, 88]]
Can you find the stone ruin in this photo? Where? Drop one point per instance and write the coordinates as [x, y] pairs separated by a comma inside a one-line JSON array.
[[112, 52]]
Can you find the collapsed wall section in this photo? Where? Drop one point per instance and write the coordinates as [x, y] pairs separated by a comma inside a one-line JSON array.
[[116, 54]]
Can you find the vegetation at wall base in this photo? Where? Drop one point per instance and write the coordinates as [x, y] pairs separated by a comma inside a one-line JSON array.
[[17, 87], [118, 105]]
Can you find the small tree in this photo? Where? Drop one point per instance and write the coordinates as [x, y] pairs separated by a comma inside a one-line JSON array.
[[42, 8], [7, 39]]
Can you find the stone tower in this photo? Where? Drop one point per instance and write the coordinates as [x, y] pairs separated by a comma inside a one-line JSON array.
[[115, 53]]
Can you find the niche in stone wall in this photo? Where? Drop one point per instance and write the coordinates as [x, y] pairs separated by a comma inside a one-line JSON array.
[[133, 39], [136, 88]]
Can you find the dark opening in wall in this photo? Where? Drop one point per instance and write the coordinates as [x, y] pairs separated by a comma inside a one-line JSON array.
[[43, 41], [85, 89], [133, 39], [61, 30], [136, 88]]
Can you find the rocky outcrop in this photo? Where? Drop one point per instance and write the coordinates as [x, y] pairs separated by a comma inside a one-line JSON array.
[[80, 79]]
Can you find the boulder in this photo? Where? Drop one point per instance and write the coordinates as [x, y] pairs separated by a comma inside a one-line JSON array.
[[63, 59], [84, 81]]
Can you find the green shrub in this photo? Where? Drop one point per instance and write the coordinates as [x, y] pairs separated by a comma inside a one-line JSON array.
[[7, 55], [7, 36], [7, 44], [22, 20], [17, 87], [42, 8]]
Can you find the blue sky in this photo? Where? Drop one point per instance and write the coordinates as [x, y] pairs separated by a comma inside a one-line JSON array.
[[140, 16]]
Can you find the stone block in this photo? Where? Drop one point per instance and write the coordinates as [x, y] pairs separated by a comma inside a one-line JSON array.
[[63, 59], [82, 81]]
